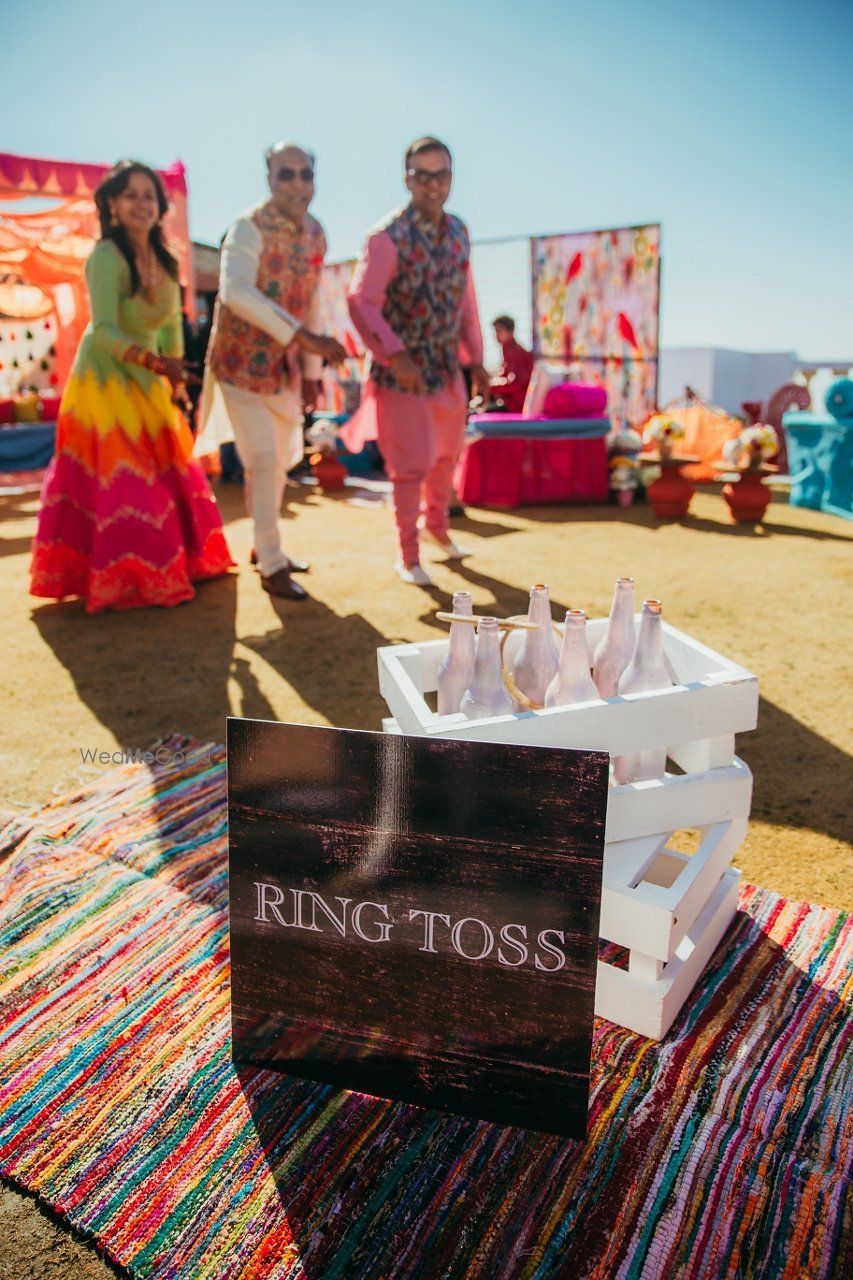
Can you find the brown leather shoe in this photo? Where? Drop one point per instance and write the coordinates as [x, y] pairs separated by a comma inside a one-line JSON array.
[[281, 584], [294, 566]]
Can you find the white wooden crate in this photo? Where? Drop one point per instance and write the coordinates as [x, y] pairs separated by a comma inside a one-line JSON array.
[[667, 908]]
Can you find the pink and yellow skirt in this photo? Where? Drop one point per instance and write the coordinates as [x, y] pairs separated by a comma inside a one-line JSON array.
[[127, 517]]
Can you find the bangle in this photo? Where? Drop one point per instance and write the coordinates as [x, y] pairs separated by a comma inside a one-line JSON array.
[[155, 363], [147, 359]]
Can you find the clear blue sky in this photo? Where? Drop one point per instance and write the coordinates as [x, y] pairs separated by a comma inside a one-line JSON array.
[[730, 122]]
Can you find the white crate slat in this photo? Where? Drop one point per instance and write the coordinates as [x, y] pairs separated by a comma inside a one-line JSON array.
[[626, 861], [687, 895], [620, 725], [401, 688], [674, 801], [633, 921], [690, 659], [654, 919], [649, 1007], [431, 654], [668, 909], [644, 968], [703, 753], [720, 704]]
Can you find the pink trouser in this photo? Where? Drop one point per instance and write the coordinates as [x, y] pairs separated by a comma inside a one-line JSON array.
[[420, 438]]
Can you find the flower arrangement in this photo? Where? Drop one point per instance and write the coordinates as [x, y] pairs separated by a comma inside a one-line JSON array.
[[753, 446], [663, 431]]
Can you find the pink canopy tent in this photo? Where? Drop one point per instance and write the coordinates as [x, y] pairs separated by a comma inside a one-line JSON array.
[[43, 254]]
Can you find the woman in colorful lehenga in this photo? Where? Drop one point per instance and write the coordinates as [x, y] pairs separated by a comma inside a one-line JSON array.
[[127, 516]]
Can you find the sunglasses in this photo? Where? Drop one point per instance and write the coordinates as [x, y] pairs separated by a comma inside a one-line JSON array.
[[423, 176], [286, 174]]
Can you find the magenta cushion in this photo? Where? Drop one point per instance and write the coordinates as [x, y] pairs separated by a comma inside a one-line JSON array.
[[575, 400]]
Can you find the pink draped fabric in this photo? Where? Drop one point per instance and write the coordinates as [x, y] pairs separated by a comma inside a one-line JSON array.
[[516, 472]]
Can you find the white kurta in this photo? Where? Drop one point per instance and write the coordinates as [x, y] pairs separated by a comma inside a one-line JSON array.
[[241, 253], [267, 429]]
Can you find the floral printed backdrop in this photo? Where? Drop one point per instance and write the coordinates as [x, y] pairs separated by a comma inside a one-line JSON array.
[[27, 354], [596, 297]]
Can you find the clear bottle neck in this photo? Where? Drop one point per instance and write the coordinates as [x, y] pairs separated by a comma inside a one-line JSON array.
[[622, 608], [649, 652], [539, 609], [488, 644], [462, 633], [539, 612], [573, 652]]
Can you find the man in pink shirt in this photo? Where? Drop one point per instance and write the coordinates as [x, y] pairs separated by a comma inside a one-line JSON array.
[[412, 300]]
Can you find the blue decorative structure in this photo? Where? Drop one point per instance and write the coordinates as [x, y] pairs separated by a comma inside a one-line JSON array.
[[820, 453]]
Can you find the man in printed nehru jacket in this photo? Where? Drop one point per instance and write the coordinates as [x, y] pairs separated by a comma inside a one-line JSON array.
[[265, 358], [412, 300]]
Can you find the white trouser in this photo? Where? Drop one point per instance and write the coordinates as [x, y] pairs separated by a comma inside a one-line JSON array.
[[268, 436]]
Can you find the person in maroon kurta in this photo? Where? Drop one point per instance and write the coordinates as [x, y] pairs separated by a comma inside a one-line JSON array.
[[513, 378]]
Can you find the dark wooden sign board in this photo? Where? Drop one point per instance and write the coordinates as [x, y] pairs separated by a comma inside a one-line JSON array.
[[417, 919]]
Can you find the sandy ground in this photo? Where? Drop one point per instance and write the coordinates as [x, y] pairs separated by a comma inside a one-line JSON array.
[[774, 600]]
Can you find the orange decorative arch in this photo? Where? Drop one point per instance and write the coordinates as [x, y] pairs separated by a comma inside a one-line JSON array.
[[43, 254]]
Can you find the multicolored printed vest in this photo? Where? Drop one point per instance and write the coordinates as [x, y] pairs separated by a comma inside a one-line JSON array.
[[423, 302], [289, 271]]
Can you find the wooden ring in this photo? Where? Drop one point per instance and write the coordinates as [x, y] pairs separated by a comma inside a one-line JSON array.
[[509, 684]]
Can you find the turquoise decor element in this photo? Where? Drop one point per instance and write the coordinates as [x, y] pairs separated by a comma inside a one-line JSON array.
[[839, 398], [820, 459]]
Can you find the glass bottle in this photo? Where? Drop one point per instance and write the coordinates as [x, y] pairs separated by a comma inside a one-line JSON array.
[[647, 670], [486, 695], [457, 666], [536, 661], [573, 682], [616, 647]]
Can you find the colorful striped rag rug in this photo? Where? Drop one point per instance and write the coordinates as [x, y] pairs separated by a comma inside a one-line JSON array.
[[720, 1152]]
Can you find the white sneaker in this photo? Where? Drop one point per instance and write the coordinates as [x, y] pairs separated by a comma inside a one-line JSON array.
[[452, 550], [414, 573]]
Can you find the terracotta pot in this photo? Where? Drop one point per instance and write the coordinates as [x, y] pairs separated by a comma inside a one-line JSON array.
[[670, 495], [329, 472], [747, 498]]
